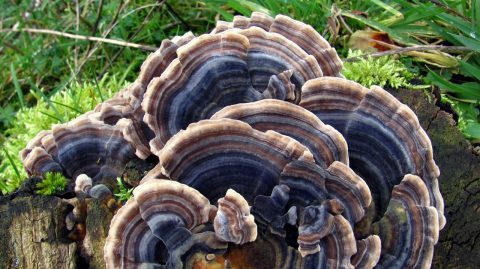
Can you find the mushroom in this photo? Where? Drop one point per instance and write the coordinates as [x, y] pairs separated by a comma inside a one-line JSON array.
[[233, 222], [394, 144], [271, 210], [300, 33], [252, 63], [178, 97], [315, 224], [35, 142], [38, 162], [280, 87], [155, 227], [82, 146], [310, 184], [325, 143], [409, 229], [270, 54], [255, 113], [266, 61], [329, 238], [127, 103], [83, 184], [132, 131], [215, 155], [368, 252]]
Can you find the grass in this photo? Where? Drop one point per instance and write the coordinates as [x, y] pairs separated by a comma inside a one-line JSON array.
[[49, 79], [51, 62], [453, 23]]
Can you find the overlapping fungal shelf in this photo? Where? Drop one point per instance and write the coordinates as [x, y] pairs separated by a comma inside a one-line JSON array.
[[267, 158], [86, 145]]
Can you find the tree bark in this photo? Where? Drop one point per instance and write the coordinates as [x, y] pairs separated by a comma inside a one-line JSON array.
[[33, 234], [459, 243]]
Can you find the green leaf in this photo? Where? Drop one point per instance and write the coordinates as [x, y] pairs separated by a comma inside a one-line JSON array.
[[443, 33], [467, 41], [468, 91], [400, 37], [390, 9], [470, 69], [468, 118], [123, 193], [226, 16], [476, 15], [472, 130], [51, 116], [238, 6], [459, 23], [417, 14], [417, 29], [256, 7]]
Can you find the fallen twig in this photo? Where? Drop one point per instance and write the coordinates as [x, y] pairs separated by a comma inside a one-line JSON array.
[[82, 37], [175, 14], [138, 30]]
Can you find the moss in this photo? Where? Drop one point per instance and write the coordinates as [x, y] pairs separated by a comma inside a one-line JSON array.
[[61, 107], [97, 225], [383, 71], [52, 184]]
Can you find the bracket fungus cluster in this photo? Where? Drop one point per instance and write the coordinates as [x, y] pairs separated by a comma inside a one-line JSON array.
[[265, 158]]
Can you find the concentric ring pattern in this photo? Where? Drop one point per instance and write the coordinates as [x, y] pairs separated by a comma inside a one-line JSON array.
[[267, 158]]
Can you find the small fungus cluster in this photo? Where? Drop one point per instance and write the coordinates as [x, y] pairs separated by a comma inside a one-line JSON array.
[[267, 158]]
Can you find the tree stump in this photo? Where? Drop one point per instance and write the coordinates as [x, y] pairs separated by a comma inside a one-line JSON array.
[[459, 243], [33, 233]]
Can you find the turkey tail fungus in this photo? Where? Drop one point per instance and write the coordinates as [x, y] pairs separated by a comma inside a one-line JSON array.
[[264, 155]]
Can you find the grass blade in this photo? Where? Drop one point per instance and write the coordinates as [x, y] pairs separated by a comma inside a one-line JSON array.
[[417, 13], [97, 88], [239, 7], [402, 38], [46, 99], [472, 70], [468, 92], [17, 86], [467, 41], [459, 23], [67, 106], [51, 116], [476, 15], [12, 163], [388, 8]]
